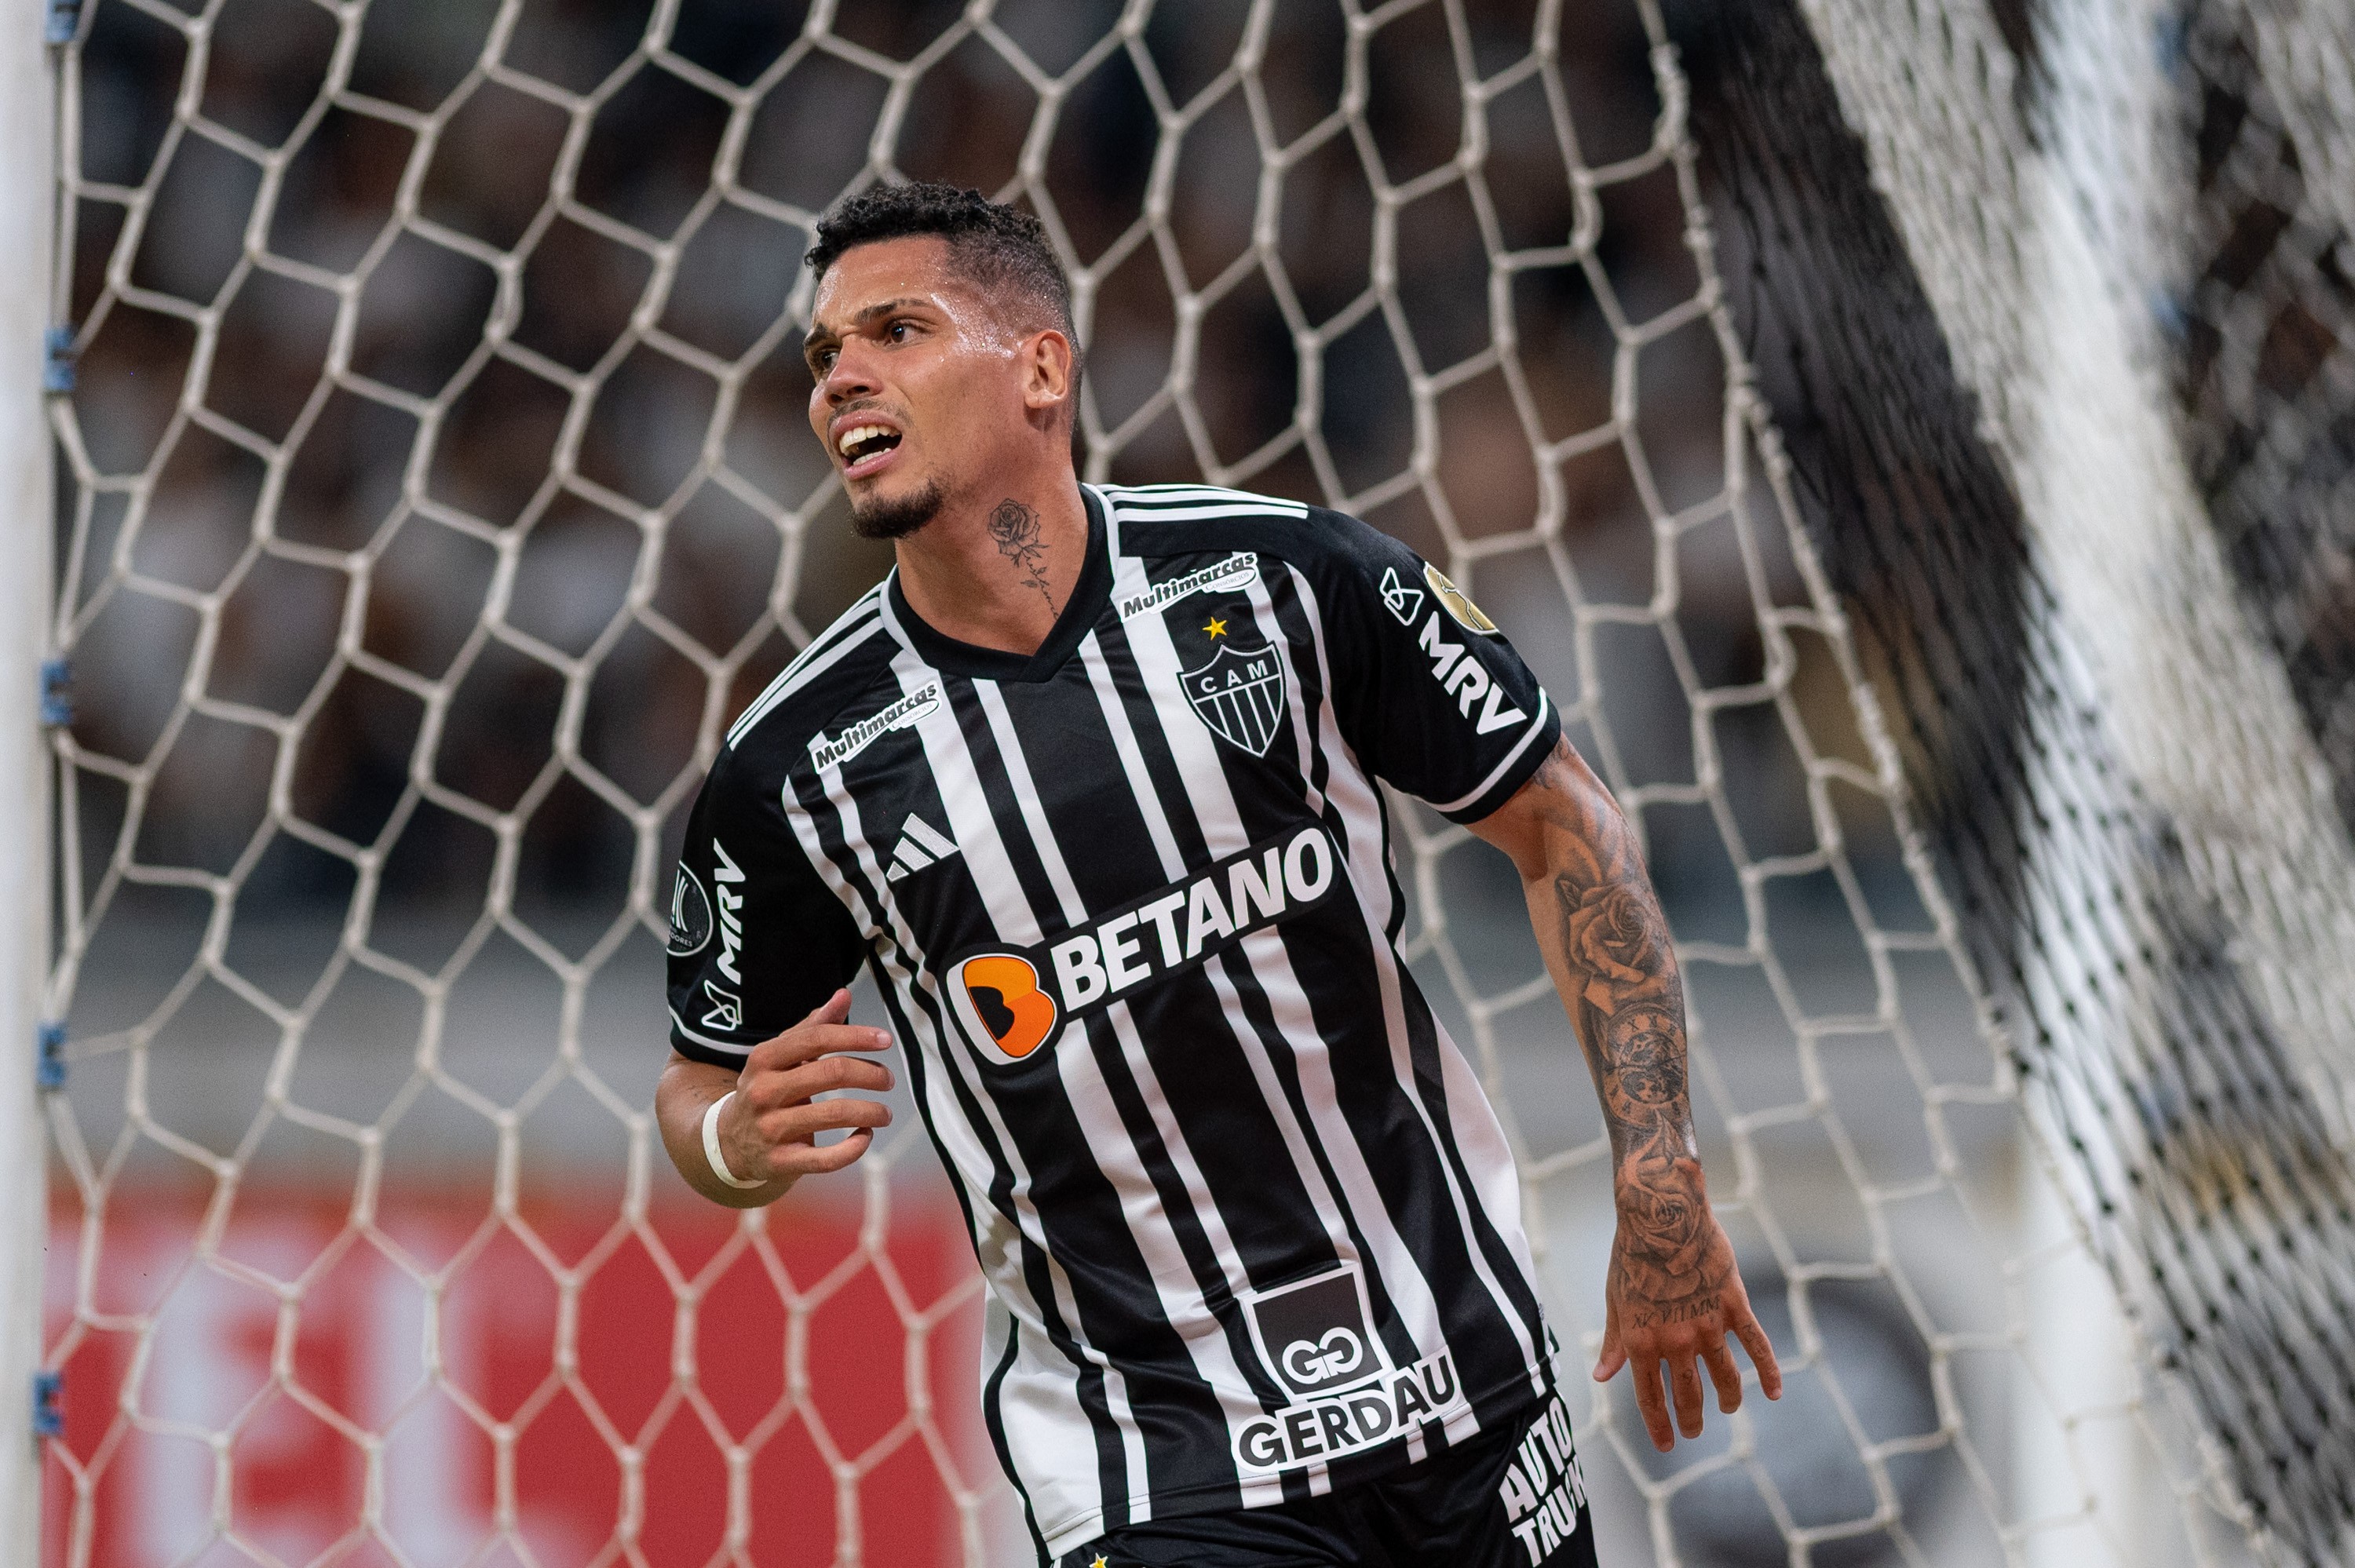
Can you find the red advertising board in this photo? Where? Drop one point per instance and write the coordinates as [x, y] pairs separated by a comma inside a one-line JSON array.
[[442, 1387]]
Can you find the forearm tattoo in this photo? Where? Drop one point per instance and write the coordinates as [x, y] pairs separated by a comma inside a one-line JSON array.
[[1016, 528], [1627, 1000]]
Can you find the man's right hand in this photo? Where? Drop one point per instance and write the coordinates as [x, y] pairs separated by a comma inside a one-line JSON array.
[[770, 1129], [768, 1133]]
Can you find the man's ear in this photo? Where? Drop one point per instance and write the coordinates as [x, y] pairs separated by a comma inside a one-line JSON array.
[[1047, 381]]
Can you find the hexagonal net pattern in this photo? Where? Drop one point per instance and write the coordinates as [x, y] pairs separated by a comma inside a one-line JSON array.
[[436, 492]]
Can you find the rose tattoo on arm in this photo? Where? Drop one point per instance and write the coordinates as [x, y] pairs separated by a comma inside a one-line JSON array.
[[1631, 1025], [1674, 1292]]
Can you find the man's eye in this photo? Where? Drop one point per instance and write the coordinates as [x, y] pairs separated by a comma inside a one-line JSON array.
[[898, 331]]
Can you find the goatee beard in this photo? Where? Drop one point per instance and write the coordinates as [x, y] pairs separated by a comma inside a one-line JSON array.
[[899, 518]]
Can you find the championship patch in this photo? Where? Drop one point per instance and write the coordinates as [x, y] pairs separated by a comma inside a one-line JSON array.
[[690, 915], [1465, 613], [1316, 1339], [1011, 1003], [1238, 695]]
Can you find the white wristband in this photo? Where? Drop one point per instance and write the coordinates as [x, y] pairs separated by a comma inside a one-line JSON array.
[[711, 1144]]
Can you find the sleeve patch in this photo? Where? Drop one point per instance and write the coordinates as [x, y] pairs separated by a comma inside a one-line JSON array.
[[1467, 614]]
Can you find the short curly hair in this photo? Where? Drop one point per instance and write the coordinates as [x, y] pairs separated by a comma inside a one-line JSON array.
[[1002, 248]]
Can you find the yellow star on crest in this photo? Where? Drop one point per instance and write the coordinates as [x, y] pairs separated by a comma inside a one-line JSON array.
[[1098, 1563], [1217, 628]]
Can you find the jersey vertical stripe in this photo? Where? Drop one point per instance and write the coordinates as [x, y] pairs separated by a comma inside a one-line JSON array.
[[1294, 1036], [1023, 1260], [1421, 1036], [1179, 1235]]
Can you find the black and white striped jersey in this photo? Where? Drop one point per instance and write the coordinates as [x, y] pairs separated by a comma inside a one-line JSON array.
[[1129, 901]]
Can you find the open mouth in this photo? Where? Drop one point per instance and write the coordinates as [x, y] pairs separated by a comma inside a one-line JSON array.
[[862, 445]]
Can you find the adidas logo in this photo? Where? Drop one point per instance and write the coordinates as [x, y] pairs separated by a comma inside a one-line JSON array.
[[920, 844]]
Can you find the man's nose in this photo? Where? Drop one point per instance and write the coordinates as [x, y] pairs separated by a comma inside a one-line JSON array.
[[849, 377]]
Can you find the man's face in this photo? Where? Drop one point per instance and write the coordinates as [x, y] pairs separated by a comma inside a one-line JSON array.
[[917, 382]]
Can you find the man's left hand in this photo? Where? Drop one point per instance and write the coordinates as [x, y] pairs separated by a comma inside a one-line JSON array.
[[1672, 1295]]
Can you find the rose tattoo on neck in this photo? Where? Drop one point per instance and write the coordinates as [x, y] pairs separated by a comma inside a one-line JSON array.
[[1016, 528]]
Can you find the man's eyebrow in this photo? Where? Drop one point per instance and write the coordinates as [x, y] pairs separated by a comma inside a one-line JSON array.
[[819, 332]]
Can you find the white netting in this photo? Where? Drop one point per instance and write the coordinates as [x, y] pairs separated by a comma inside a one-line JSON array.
[[2129, 213], [438, 491]]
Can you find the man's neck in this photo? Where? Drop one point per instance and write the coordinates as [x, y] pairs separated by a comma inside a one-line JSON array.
[[998, 573]]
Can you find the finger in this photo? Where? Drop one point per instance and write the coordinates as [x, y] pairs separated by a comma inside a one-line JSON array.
[[1762, 1352], [1684, 1384], [1652, 1407], [775, 1086], [1614, 1354], [809, 1041], [799, 1124], [1725, 1374], [830, 1013], [814, 1160]]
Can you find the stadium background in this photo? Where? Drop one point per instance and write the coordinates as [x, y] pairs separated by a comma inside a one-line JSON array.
[[513, 1057]]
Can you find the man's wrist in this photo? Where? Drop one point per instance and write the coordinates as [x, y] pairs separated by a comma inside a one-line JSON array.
[[711, 1151], [1633, 1175]]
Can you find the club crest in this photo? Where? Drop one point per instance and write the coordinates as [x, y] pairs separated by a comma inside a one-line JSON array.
[[1239, 693]]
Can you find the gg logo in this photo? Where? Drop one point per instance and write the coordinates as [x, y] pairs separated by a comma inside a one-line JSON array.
[[1338, 1351], [998, 998]]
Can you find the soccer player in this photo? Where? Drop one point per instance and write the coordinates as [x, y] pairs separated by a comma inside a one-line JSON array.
[[1088, 785]]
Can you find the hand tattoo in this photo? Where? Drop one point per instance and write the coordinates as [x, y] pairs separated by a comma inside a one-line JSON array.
[[1016, 528], [1629, 1005]]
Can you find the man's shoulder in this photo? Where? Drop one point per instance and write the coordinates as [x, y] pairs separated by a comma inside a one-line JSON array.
[[842, 665], [1167, 519]]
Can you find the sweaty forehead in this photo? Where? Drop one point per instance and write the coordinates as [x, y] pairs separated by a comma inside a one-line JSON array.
[[867, 281], [868, 278]]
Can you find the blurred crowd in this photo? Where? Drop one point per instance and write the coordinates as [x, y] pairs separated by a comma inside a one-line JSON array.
[[569, 381]]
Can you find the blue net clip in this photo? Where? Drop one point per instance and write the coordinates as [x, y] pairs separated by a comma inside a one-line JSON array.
[[56, 697], [51, 1072], [58, 362]]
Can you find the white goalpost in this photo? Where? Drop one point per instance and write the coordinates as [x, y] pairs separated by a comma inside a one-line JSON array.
[[27, 187], [431, 490]]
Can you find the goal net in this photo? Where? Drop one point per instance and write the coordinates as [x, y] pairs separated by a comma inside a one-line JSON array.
[[1914, 442]]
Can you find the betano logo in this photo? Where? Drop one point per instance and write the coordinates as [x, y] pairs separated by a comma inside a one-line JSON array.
[[1011, 1003], [997, 997]]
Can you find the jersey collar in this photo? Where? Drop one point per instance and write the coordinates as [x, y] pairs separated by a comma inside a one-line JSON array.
[[951, 657]]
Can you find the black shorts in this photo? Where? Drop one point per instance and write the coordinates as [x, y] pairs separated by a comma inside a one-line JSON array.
[[1506, 1499]]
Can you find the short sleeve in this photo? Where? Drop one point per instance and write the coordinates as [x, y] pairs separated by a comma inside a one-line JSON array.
[[756, 939], [1428, 693]]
